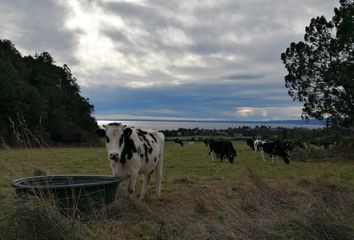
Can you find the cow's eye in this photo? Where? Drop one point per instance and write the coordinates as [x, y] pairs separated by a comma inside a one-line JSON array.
[[107, 139]]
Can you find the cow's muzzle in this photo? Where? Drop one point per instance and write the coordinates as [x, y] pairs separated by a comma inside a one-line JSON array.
[[114, 156]]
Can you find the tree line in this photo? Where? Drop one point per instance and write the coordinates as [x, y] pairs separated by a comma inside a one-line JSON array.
[[40, 102], [298, 134]]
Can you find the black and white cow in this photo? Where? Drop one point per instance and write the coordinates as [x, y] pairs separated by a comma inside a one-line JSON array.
[[208, 142], [222, 149], [178, 141], [132, 152], [272, 148], [275, 148], [255, 144]]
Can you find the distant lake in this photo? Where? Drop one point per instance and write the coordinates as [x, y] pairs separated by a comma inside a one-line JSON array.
[[189, 124]]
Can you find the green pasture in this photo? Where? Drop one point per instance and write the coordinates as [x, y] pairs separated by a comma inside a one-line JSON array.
[[189, 163], [192, 183]]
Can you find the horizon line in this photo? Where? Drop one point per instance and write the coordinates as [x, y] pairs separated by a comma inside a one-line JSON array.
[[302, 121]]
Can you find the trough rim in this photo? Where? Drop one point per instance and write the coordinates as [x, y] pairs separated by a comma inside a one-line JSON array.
[[110, 180]]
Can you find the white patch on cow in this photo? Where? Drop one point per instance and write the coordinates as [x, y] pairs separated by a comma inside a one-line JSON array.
[[257, 144]]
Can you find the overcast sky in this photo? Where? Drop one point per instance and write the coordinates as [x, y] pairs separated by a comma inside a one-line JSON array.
[[195, 59]]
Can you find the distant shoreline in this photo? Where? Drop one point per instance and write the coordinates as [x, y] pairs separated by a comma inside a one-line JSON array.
[[170, 124], [291, 122]]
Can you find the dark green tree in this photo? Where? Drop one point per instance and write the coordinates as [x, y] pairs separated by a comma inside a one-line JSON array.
[[321, 68], [43, 98]]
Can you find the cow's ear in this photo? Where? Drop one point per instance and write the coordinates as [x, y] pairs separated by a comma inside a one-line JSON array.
[[100, 132], [127, 132]]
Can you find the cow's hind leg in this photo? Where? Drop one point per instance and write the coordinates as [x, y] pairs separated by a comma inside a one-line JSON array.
[[132, 183], [146, 180], [159, 177], [263, 155], [212, 155], [159, 173]]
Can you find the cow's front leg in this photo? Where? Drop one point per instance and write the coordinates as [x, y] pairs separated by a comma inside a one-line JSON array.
[[146, 180], [132, 183], [114, 173], [263, 156]]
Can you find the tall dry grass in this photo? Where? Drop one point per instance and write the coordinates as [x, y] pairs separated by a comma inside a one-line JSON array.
[[36, 218], [303, 209]]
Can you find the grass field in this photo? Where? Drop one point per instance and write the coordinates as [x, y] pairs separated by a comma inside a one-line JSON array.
[[201, 199]]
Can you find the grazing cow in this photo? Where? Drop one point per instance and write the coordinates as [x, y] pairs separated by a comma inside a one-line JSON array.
[[250, 143], [132, 152], [206, 141], [179, 141], [255, 144], [273, 149], [222, 149]]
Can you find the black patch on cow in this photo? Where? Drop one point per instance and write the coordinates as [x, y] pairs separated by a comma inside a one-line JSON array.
[[153, 137], [141, 155], [146, 152], [155, 159], [250, 143], [127, 132], [100, 132], [121, 140], [129, 146], [141, 132], [107, 139], [145, 140], [114, 124]]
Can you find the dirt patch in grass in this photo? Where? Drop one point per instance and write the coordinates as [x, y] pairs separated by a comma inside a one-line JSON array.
[[183, 181]]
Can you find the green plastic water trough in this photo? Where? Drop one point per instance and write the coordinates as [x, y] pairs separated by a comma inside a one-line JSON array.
[[70, 192]]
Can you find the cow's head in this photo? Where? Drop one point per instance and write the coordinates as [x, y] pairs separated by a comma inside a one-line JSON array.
[[232, 156], [117, 136], [281, 150], [250, 143]]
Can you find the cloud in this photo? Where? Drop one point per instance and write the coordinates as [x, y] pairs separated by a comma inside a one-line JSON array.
[[209, 101], [38, 26], [267, 113], [205, 59]]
